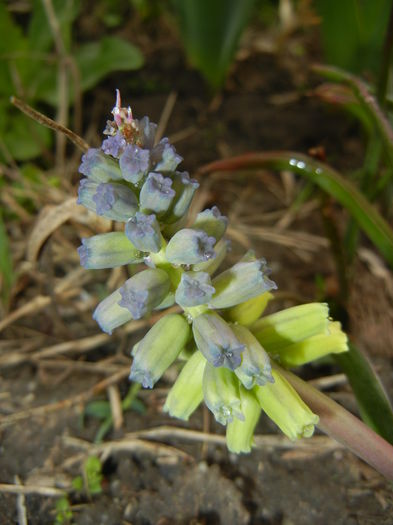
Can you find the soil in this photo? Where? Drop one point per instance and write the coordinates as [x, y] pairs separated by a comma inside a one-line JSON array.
[[178, 479]]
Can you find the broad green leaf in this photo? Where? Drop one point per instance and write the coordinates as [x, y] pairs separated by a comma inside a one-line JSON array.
[[366, 215], [98, 59], [98, 409], [353, 32], [25, 139], [374, 405], [211, 32]]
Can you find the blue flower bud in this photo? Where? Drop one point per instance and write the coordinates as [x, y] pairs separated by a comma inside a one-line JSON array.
[[221, 394], [144, 232], [217, 342], [164, 156], [134, 163], [240, 283], [240, 434], [194, 289], [156, 193], [184, 188], [186, 394], [147, 133], [212, 222], [99, 167], [159, 349], [114, 145], [255, 368], [108, 250], [144, 291], [109, 314], [114, 201], [190, 246]]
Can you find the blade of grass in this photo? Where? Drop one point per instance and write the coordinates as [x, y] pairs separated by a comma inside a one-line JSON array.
[[345, 428], [6, 269], [329, 180], [374, 405]]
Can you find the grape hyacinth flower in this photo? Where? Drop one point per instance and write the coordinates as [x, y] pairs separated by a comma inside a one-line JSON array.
[[230, 350]]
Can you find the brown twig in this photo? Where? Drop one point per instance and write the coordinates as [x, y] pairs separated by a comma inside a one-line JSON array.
[[49, 123]]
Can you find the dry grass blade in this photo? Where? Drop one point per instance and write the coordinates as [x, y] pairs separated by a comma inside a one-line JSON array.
[[50, 218], [31, 489]]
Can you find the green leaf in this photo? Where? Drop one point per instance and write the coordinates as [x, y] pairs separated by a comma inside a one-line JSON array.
[[77, 483], [367, 217], [98, 59], [353, 32], [374, 405], [94, 475], [98, 409], [211, 32], [25, 139]]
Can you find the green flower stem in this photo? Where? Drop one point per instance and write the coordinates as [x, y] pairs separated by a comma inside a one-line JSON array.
[[195, 311], [367, 217], [344, 427]]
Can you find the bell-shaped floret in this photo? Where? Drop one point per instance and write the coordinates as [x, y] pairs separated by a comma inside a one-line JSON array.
[[331, 341], [134, 163], [159, 349], [248, 312], [255, 368], [284, 406], [164, 157], [217, 342], [144, 291], [156, 194], [212, 222], [99, 167], [243, 281], [112, 200], [221, 394], [146, 133], [240, 434], [114, 145], [292, 325], [186, 394], [194, 289], [190, 246], [108, 250], [211, 265], [184, 188], [144, 232], [109, 314]]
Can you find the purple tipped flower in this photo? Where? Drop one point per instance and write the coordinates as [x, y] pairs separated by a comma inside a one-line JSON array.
[[194, 289], [144, 291], [108, 250], [217, 342], [114, 201], [164, 156], [99, 167], [190, 246], [184, 188], [114, 145], [156, 193], [134, 163], [144, 232]]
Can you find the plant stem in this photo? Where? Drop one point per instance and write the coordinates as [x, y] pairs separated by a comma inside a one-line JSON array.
[[386, 61]]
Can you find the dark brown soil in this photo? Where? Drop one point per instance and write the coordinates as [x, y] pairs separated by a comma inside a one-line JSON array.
[[265, 105]]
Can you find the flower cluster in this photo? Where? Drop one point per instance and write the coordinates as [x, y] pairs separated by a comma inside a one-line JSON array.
[[230, 352]]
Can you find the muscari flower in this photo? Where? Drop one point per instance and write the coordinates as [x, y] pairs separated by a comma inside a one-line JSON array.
[[159, 349], [211, 222], [164, 156], [194, 289], [216, 341], [99, 167], [240, 433], [190, 246], [134, 163], [112, 200], [114, 145], [221, 394], [144, 232], [184, 189], [156, 194], [108, 250]]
